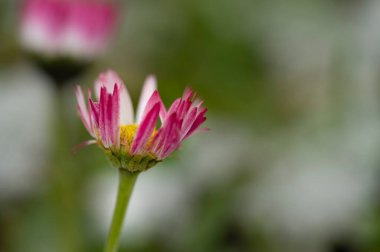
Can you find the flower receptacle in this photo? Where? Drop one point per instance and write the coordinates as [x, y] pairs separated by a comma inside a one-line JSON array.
[[131, 163]]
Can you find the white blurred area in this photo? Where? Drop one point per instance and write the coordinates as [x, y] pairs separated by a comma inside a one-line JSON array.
[[25, 112], [320, 190], [322, 182]]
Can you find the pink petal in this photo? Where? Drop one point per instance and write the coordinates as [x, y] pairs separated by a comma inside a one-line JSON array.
[[157, 141], [108, 79], [145, 129], [114, 125], [87, 27], [189, 116], [94, 111], [109, 120], [173, 145], [90, 119], [168, 138], [188, 121], [150, 85], [183, 110], [198, 102], [171, 142], [174, 107], [187, 94], [159, 138], [203, 129], [112, 118], [116, 116], [41, 25], [153, 100], [82, 110], [102, 116], [80, 146], [197, 122]]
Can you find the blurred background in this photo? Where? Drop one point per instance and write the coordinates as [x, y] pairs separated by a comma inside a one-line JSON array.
[[292, 160]]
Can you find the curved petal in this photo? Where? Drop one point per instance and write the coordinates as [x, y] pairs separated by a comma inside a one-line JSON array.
[[200, 118], [82, 110], [153, 100], [187, 94], [102, 116], [174, 107], [80, 146], [145, 129], [150, 85], [188, 121], [108, 79], [168, 138], [114, 111], [109, 117], [94, 111], [126, 107]]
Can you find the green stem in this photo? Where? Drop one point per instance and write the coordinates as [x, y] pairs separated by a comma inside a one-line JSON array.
[[126, 182]]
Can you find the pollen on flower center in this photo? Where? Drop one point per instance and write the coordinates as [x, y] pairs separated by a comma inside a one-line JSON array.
[[127, 133]]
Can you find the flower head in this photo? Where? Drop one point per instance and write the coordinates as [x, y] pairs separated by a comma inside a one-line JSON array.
[[133, 142], [71, 28]]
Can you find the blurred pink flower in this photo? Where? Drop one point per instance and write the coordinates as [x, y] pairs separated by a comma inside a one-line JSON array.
[[75, 28], [133, 143]]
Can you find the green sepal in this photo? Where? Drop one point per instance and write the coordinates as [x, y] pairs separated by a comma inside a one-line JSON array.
[[136, 163]]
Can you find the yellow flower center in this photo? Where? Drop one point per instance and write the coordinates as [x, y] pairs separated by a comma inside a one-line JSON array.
[[123, 158], [127, 133]]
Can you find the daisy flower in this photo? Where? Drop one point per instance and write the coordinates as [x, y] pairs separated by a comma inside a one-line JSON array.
[[134, 143], [79, 29]]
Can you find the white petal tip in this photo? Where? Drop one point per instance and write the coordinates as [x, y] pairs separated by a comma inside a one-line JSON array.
[[151, 81]]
